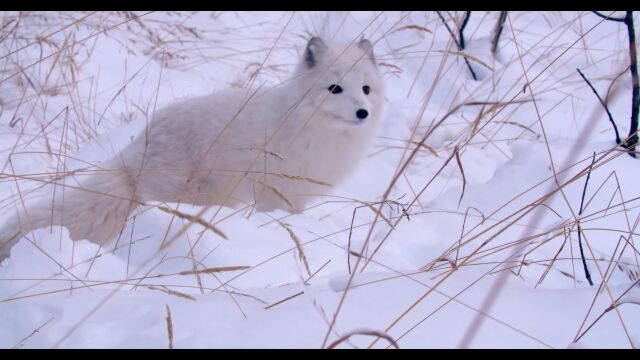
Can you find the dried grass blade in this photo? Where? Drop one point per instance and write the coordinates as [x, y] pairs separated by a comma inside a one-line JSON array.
[[213, 270]]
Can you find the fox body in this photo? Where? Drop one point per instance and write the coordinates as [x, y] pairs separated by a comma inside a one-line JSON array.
[[272, 148]]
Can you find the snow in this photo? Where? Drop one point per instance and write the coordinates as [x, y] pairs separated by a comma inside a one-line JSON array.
[[60, 294]]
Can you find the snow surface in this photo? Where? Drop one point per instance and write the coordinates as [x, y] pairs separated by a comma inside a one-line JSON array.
[[60, 294]]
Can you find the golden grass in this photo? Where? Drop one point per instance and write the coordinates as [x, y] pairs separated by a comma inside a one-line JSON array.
[[483, 116], [214, 270], [298, 244], [195, 219], [169, 328]]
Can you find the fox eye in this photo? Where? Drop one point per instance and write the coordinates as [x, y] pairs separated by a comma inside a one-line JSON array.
[[366, 89], [335, 89]]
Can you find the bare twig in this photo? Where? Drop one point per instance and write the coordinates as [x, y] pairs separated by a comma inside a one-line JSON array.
[[584, 192], [632, 141], [467, 15], [458, 45], [606, 108], [497, 32], [635, 97], [608, 17]]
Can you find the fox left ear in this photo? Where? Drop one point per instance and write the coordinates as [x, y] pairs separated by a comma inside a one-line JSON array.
[[367, 47], [315, 50]]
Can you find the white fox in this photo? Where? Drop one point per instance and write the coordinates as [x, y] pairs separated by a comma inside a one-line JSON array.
[[274, 148]]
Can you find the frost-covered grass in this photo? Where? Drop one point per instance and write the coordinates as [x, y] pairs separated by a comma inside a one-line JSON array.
[[461, 224]]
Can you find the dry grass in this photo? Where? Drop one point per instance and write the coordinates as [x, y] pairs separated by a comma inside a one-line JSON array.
[[34, 332], [194, 219], [214, 270], [53, 102], [169, 328], [296, 241], [377, 334]]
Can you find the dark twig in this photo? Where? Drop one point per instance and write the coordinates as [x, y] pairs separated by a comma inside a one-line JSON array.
[[608, 17], [467, 15], [584, 192], [635, 98], [497, 32], [455, 40], [632, 141], [606, 108]]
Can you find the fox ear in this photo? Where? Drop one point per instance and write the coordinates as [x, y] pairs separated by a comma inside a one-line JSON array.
[[367, 47], [315, 49]]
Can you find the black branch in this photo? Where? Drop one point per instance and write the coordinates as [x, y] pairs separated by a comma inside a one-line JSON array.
[[584, 192], [608, 17], [632, 138], [455, 40], [606, 108], [635, 98], [497, 32], [467, 15]]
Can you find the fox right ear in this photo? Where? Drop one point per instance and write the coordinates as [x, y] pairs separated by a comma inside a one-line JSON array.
[[367, 47], [315, 48]]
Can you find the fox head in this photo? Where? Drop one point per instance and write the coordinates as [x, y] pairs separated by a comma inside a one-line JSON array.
[[342, 85]]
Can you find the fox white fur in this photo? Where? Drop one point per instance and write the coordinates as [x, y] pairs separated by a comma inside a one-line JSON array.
[[275, 148]]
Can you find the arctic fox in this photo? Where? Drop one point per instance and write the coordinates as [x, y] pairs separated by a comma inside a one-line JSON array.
[[271, 148]]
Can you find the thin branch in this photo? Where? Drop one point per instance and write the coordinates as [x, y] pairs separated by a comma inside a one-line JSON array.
[[498, 32], [609, 18], [464, 25], [584, 192], [632, 141], [455, 39], [635, 98], [606, 108]]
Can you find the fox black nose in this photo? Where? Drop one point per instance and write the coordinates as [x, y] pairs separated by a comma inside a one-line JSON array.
[[362, 114]]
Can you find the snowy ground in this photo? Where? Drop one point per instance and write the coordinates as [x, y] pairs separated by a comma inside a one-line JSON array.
[[428, 283]]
